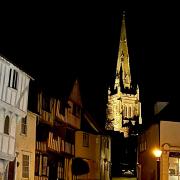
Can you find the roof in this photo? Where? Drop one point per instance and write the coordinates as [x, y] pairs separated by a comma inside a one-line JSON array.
[[17, 66], [37, 86], [170, 112], [89, 124]]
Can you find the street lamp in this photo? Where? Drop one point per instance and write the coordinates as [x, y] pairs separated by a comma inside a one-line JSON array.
[[157, 153]]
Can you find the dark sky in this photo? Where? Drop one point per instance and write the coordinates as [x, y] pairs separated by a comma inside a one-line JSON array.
[[57, 42]]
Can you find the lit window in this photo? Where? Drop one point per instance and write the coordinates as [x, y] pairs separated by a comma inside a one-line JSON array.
[[125, 111], [24, 125], [85, 140], [13, 78], [6, 125], [25, 166]]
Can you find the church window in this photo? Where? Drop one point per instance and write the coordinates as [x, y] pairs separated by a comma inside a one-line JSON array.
[[129, 112], [122, 54], [125, 111]]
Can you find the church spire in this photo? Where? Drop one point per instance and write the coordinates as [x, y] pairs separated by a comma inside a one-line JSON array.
[[123, 59]]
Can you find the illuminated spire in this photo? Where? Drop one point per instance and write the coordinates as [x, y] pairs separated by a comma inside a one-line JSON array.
[[123, 59]]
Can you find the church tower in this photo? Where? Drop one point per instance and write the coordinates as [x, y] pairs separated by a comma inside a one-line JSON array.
[[123, 106]]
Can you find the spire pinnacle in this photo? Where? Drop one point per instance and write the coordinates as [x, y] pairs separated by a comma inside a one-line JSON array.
[[123, 58], [123, 29]]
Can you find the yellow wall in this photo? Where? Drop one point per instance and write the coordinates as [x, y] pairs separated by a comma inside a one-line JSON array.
[[25, 144], [86, 152], [95, 154], [91, 153]]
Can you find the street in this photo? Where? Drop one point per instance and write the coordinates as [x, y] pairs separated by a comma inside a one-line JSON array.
[[123, 178]]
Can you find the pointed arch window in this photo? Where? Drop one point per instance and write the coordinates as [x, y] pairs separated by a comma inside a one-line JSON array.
[[6, 125], [125, 111], [129, 112]]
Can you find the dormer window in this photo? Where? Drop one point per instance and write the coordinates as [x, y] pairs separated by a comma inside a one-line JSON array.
[[13, 78]]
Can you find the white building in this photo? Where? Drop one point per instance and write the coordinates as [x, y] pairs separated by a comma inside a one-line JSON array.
[[14, 88]]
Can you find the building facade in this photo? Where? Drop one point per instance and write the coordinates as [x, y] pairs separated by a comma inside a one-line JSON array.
[[55, 137], [123, 106], [96, 151], [94, 147], [14, 87], [23, 165], [163, 135]]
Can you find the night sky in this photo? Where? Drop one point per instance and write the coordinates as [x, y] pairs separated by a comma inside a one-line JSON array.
[[55, 43]]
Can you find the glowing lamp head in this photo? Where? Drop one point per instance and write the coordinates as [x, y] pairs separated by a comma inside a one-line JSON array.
[[157, 153]]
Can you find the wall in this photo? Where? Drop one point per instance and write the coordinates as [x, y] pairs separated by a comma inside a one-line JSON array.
[[13, 92], [72, 119], [91, 154], [147, 142], [173, 129], [105, 150], [25, 144]]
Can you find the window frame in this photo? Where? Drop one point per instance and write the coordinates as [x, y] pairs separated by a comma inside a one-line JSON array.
[[6, 125], [26, 173], [85, 139], [24, 126], [13, 78]]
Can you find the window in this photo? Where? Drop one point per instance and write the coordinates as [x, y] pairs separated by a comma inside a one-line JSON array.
[[41, 165], [44, 165], [85, 140], [174, 163], [129, 112], [125, 111], [13, 78], [25, 166], [6, 125], [24, 125]]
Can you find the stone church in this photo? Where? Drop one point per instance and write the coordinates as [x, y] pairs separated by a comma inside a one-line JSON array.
[[123, 106]]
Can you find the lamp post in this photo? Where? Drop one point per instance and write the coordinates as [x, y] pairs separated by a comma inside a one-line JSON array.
[[157, 153]]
